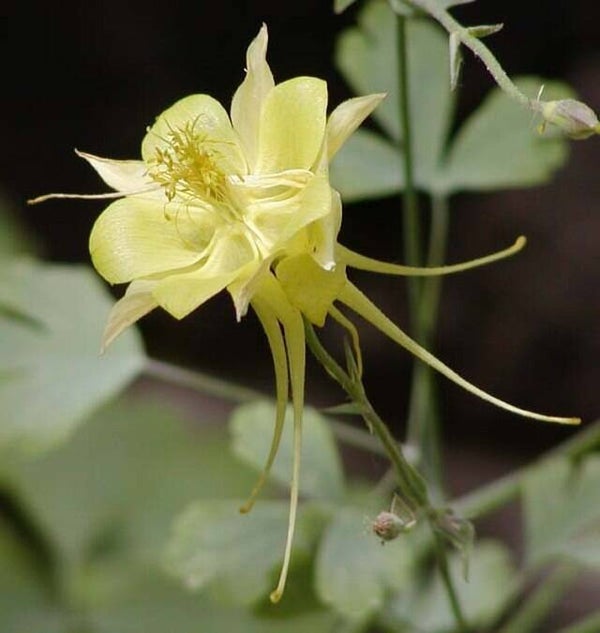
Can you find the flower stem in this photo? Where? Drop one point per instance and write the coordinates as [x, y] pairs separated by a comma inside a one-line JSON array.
[[411, 486], [477, 47], [536, 608]]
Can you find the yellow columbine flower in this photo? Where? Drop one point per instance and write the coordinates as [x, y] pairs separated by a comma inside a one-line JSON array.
[[243, 203]]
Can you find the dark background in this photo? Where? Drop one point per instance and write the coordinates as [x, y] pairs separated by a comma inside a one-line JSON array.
[[93, 75]]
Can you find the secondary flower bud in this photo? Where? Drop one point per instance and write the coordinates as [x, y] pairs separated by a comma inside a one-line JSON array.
[[575, 118]]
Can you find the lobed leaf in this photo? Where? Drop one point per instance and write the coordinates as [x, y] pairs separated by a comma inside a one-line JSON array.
[[367, 57], [51, 373], [322, 477], [214, 546], [562, 512], [427, 608], [498, 145]]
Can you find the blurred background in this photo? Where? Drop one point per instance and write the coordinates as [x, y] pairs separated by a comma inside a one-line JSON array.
[[93, 75]]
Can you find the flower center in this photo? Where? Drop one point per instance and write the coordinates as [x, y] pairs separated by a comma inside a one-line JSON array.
[[188, 165]]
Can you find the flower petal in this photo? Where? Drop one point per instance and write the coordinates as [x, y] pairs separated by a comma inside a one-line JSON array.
[[309, 287], [291, 320], [246, 105], [361, 262], [323, 234], [277, 218], [136, 238], [231, 257], [272, 329], [126, 176], [346, 118], [356, 300], [292, 125], [209, 122], [135, 304]]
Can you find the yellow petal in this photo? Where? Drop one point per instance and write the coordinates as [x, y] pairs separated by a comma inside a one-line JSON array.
[[322, 234], [204, 118], [247, 101], [272, 329], [136, 238], [279, 218], [346, 118], [181, 294], [354, 299], [292, 125], [126, 176], [293, 327], [358, 261], [309, 287], [135, 304], [231, 256]]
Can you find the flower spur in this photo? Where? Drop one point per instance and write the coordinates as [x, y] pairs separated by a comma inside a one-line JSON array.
[[243, 203]]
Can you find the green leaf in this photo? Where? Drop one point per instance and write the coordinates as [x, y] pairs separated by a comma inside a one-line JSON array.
[[498, 146], [51, 374], [214, 546], [377, 161], [154, 604], [492, 585], [119, 482], [321, 477], [367, 57], [562, 512], [354, 571]]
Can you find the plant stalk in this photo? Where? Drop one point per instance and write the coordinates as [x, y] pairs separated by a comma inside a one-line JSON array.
[[540, 603], [411, 485], [477, 47]]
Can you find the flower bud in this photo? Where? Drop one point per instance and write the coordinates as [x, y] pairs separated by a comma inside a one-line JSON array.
[[575, 118], [388, 526]]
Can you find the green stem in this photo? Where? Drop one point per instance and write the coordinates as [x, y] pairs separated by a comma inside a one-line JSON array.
[[590, 624], [474, 504], [477, 47], [410, 483], [237, 394], [200, 382], [541, 602], [499, 492], [442, 561], [423, 418], [422, 431], [410, 204]]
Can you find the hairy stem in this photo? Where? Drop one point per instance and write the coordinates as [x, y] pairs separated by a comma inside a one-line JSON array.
[[477, 47], [410, 484]]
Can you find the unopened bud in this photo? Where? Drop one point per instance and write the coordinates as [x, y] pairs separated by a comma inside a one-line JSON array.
[[387, 526], [575, 118]]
